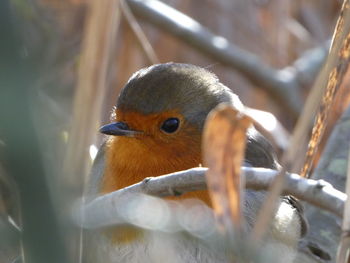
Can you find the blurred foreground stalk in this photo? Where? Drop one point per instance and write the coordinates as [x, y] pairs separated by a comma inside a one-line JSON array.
[[22, 158]]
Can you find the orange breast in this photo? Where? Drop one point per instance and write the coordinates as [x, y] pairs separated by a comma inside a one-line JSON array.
[[131, 159]]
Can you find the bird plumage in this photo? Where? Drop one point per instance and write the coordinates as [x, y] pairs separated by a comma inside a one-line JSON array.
[[142, 148]]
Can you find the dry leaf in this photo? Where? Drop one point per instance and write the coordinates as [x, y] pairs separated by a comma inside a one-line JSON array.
[[224, 142]]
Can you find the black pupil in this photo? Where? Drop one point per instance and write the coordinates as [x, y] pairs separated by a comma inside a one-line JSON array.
[[170, 125]]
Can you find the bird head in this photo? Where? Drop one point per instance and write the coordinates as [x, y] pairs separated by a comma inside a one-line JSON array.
[[158, 120], [173, 95]]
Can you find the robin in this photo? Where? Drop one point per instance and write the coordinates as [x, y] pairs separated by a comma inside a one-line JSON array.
[[156, 129]]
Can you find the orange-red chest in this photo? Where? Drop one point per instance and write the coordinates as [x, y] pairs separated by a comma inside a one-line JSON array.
[[153, 153]]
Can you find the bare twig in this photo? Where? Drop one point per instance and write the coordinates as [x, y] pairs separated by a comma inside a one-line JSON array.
[[140, 35], [103, 210], [283, 85]]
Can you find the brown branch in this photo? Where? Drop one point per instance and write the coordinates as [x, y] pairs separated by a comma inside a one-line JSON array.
[[283, 85], [105, 210]]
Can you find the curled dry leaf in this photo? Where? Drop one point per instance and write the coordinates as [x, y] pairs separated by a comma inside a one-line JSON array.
[[224, 141]]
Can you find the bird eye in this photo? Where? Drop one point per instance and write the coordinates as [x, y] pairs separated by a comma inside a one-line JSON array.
[[170, 125]]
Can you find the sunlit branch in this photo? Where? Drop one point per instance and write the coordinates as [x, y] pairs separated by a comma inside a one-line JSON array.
[[104, 210]]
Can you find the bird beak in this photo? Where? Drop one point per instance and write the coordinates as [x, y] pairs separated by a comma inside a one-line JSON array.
[[118, 129]]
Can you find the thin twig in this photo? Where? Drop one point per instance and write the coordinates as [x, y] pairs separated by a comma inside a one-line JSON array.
[[140, 35], [103, 210]]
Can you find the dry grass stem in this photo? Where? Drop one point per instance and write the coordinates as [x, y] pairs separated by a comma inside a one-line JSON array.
[[99, 37], [337, 65], [140, 35]]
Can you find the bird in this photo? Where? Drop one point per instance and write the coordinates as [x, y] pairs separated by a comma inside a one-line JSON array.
[[155, 129]]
